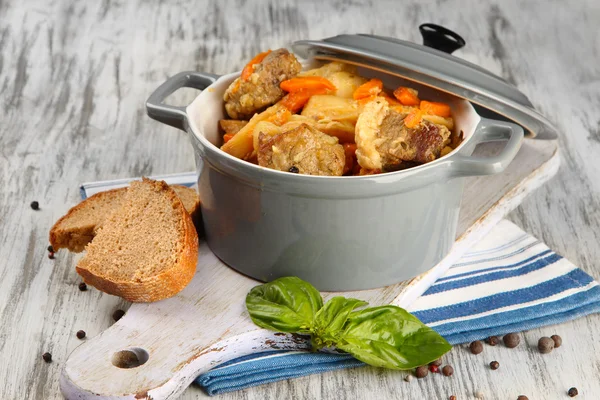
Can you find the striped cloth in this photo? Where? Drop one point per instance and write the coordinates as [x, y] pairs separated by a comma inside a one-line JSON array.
[[509, 282]]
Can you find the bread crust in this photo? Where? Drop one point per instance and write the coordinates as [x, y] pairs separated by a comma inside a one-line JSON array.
[[161, 286]]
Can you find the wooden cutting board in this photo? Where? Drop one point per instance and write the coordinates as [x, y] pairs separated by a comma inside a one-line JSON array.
[[206, 324]]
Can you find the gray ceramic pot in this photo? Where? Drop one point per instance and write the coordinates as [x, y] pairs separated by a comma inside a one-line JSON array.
[[339, 233]]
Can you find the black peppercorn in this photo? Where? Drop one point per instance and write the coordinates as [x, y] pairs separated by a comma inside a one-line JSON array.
[[421, 371], [573, 392], [47, 357], [80, 334], [117, 315], [545, 345], [557, 341], [492, 340], [293, 169], [50, 249], [82, 286], [511, 340], [476, 347], [35, 205], [437, 362], [522, 397], [494, 365], [447, 370]]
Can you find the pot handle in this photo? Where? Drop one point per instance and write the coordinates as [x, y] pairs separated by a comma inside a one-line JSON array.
[[489, 130], [174, 115]]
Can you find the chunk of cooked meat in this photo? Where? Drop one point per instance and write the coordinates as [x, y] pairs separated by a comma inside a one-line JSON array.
[[232, 125], [384, 142], [244, 98], [303, 150]]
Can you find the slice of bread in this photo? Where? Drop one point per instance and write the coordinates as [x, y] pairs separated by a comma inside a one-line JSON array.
[[79, 226], [146, 250]]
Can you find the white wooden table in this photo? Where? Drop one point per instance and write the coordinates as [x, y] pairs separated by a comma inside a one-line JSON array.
[[74, 77]]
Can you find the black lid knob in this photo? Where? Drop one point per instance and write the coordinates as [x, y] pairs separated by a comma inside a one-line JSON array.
[[441, 38]]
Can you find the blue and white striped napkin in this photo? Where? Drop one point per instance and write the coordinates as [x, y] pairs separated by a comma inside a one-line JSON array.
[[509, 282]]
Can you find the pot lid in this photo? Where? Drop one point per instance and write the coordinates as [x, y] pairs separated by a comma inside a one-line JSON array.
[[431, 64]]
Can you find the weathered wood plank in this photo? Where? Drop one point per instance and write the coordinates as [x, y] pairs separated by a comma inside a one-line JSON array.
[[74, 77]]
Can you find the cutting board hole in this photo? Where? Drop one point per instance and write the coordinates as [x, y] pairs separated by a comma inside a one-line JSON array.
[[130, 358]]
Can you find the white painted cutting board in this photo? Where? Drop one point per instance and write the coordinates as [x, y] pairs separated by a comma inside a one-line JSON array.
[[207, 324]]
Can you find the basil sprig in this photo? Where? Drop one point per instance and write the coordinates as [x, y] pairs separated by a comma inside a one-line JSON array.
[[384, 336]]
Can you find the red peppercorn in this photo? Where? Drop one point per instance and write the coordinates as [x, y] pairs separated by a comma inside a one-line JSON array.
[[51, 256], [434, 368], [453, 397]]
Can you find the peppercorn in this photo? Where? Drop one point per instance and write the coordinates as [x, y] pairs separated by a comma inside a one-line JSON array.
[[50, 249], [453, 397], [408, 378], [522, 397], [51, 256], [434, 368], [80, 334], [448, 370], [421, 371], [476, 347], [545, 345], [494, 365], [82, 286], [47, 357], [35, 205], [492, 340], [573, 392], [557, 341], [511, 340], [117, 315], [437, 362], [293, 169]]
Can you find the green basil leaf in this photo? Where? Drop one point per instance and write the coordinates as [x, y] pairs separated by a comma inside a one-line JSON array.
[[390, 337], [330, 319], [285, 305]]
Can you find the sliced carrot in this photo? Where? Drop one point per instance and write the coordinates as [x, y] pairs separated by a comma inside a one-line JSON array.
[[280, 118], [227, 137], [407, 96], [249, 68], [432, 107], [391, 101], [413, 119], [366, 100], [294, 101], [368, 89], [306, 82]]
